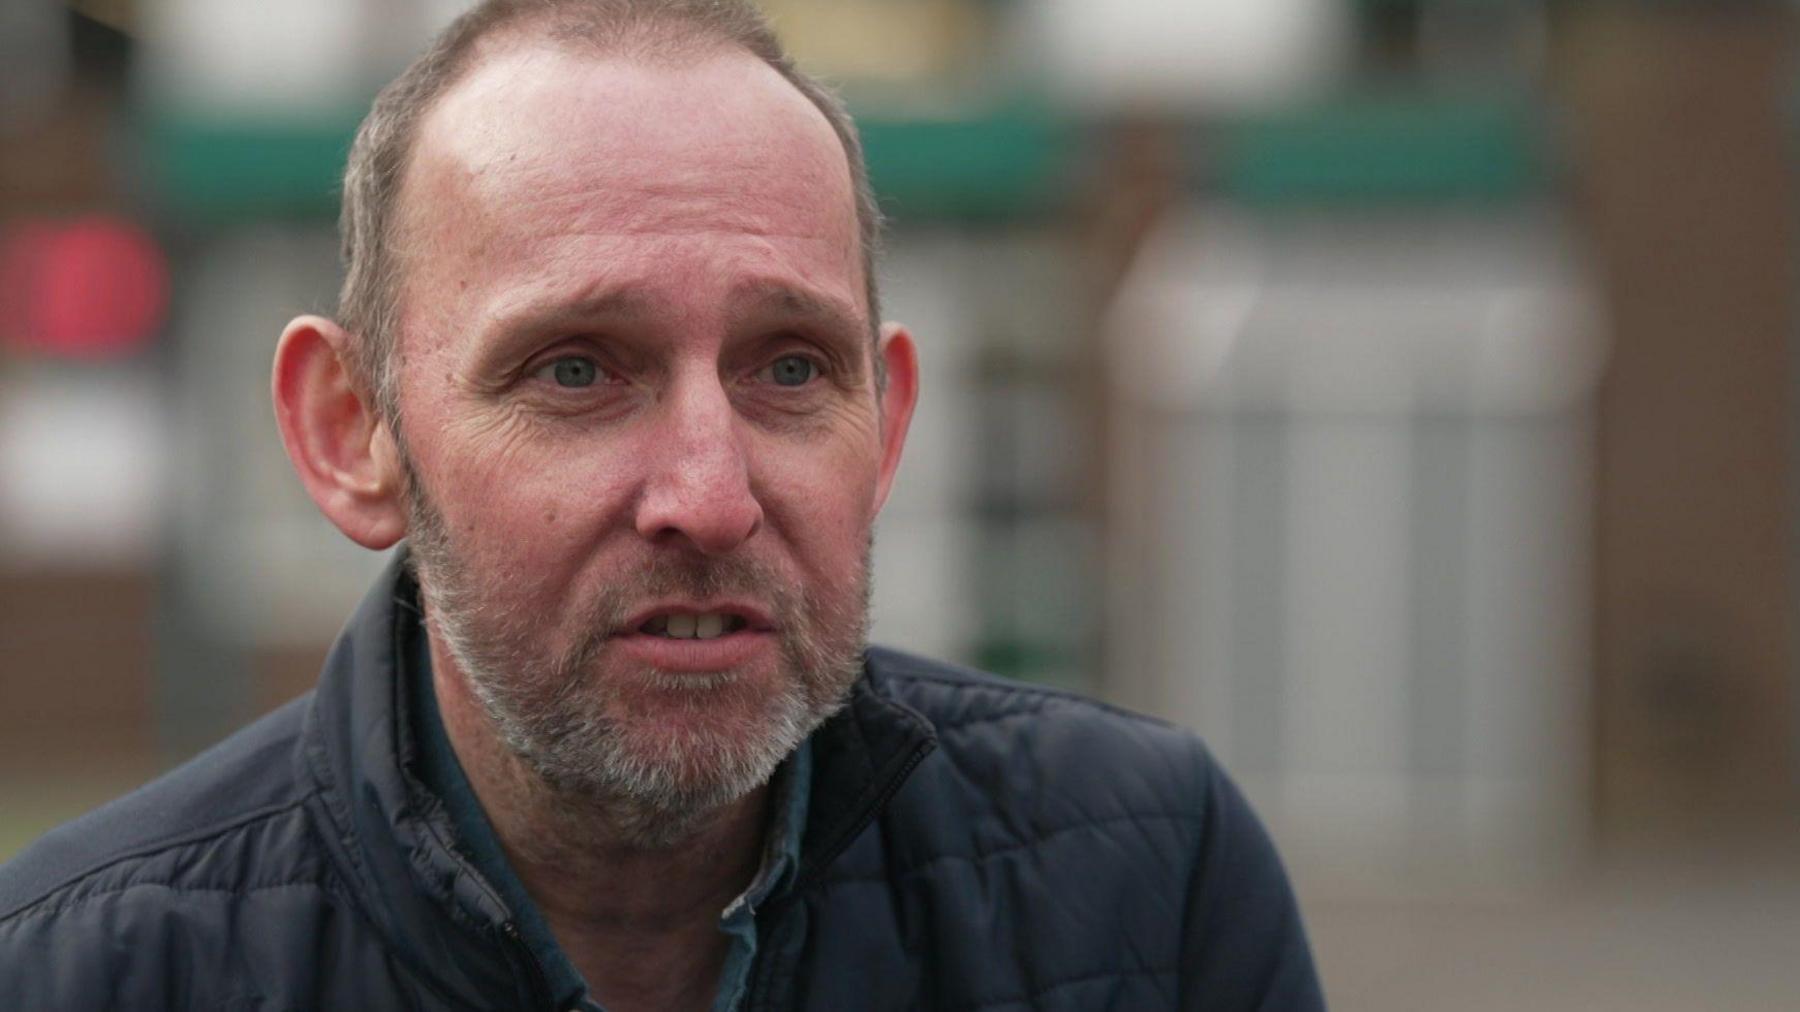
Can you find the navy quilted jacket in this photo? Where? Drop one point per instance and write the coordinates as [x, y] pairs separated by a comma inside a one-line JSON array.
[[971, 844]]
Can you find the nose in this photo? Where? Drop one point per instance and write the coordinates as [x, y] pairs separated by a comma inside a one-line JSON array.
[[697, 486]]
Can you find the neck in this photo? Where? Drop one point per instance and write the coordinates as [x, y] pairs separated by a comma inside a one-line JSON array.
[[639, 922]]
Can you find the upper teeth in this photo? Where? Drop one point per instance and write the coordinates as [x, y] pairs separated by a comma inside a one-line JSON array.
[[690, 627]]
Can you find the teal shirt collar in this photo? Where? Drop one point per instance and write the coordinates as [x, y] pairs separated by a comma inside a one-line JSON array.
[[443, 775]]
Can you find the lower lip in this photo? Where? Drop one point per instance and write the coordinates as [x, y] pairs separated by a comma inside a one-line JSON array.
[[699, 656]]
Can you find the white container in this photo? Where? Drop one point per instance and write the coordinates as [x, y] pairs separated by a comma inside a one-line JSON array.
[[1188, 56], [1349, 536]]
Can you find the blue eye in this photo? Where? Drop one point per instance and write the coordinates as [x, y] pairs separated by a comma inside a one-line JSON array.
[[792, 370], [572, 371]]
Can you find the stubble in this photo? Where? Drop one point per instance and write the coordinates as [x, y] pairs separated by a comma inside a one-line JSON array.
[[581, 731]]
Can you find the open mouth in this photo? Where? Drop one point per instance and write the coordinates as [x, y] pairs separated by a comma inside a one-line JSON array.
[[704, 625]]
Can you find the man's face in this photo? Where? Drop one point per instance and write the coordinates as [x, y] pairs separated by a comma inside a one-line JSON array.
[[638, 402]]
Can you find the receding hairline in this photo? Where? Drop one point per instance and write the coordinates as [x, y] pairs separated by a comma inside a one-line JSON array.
[[679, 54], [665, 43], [669, 43]]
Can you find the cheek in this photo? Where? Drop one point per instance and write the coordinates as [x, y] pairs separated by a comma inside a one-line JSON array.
[[521, 509], [822, 501]]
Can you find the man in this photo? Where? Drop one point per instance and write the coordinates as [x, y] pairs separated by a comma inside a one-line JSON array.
[[607, 734]]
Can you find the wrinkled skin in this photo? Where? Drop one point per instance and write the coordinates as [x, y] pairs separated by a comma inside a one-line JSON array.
[[637, 369]]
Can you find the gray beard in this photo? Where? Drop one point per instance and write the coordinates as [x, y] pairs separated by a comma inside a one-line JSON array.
[[553, 714]]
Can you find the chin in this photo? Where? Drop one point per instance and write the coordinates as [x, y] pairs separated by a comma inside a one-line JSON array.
[[661, 761]]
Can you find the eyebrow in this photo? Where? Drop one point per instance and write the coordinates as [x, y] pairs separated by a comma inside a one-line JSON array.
[[750, 301], [756, 300], [627, 305]]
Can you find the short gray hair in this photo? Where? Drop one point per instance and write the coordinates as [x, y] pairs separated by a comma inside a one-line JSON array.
[[368, 302]]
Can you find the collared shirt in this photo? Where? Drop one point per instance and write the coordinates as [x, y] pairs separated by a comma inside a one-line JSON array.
[[443, 774]]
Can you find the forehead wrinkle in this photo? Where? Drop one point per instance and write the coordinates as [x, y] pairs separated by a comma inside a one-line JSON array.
[[631, 191], [667, 210], [486, 219]]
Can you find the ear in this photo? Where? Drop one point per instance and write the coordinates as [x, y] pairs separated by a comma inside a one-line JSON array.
[[337, 441], [897, 401]]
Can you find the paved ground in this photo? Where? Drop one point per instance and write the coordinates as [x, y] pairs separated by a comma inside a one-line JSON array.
[[1652, 936]]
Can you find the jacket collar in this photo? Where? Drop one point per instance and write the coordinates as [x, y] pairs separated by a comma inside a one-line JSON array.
[[861, 756], [391, 837], [395, 843]]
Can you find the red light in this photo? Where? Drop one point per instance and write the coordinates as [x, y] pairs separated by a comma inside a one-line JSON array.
[[94, 288]]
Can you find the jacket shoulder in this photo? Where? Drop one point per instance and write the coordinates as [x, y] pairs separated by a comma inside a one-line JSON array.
[[1019, 744], [171, 832], [960, 694], [1058, 852], [207, 887]]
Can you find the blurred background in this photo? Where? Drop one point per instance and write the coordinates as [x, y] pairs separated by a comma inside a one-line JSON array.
[[1402, 393]]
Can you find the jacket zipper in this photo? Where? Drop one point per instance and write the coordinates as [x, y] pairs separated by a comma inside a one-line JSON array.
[[539, 985], [920, 751], [759, 969]]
